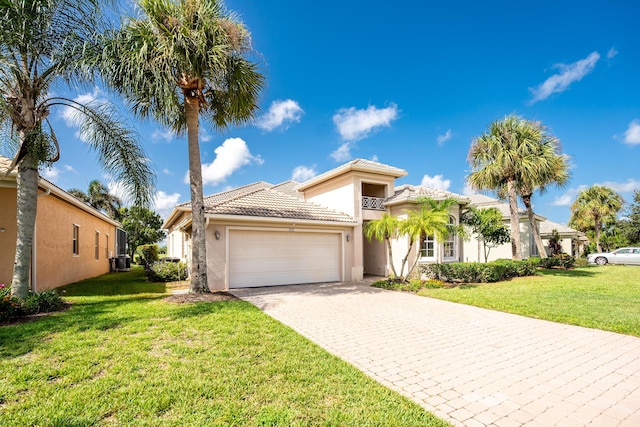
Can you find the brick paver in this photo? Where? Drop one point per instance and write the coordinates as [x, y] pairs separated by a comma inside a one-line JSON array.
[[470, 366]]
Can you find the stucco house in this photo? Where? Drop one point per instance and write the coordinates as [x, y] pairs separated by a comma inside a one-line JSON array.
[[72, 240], [291, 233], [572, 241]]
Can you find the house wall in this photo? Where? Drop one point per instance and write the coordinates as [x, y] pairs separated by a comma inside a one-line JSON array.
[[474, 251], [56, 265], [217, 250], [565, 244], [55, 261], [8, 237]]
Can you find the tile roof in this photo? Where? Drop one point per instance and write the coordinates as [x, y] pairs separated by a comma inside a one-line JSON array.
[[409, 192], [229, 194], [547, 227], [355, 165], [262, 199], [271, 203]]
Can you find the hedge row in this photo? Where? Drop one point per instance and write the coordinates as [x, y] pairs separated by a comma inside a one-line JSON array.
[[468, 272]]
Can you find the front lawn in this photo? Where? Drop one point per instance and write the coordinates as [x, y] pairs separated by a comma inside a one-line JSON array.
[[606, 297], [121, 355]]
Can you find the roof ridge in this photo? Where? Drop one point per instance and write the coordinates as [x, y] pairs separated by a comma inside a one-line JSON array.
[[231, 190]]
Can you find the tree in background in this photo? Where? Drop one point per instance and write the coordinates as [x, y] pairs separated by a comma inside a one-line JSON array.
[[143, 227], [99, 197], [593, 209], [516, 157], [631, 222], [178, 61], [488, 226], [45, 43]]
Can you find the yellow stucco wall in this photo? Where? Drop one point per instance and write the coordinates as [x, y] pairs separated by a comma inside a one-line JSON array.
[[56, 264]]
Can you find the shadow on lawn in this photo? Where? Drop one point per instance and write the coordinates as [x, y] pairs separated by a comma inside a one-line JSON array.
[[127, 283], [581, 272]]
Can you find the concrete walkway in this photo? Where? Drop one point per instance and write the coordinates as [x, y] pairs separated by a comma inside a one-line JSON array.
[[470, 366]]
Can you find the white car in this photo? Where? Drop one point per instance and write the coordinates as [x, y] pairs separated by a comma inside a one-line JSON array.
[[619, 256]]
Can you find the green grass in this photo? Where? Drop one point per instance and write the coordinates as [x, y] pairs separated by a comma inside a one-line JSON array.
[[123, 356], [606, 298]]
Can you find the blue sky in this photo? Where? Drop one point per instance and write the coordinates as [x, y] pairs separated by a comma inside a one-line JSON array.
[[411, 84]]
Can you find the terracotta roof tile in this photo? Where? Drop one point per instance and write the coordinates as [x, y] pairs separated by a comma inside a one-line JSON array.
[[230, 194]]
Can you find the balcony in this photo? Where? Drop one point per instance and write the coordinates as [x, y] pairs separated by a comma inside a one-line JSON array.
[[373, 203]]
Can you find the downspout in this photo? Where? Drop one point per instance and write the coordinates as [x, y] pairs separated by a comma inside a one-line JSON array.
[[34, 252]]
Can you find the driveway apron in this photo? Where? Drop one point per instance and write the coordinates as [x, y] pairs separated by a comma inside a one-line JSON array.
[[467, 365]]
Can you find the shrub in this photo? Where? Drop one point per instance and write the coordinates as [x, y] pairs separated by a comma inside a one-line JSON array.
[[559, 260], [9, 306], [148, 254], [473, 272], [42, 302], [415, 285], [167, 272]]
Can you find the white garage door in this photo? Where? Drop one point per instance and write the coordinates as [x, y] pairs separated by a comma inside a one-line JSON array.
[[269, 258]]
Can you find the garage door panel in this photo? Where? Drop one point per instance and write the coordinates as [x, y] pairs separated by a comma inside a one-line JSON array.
[[267, 258]]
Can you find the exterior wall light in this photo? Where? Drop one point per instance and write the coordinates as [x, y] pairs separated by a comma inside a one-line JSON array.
[[2, 230], [348, 237], [217, 234]]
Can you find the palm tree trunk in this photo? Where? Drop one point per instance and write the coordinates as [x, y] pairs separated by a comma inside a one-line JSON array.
[[27, 201], [393, 268], [526, 199], [514, 220], [198, 232], [597, 229]]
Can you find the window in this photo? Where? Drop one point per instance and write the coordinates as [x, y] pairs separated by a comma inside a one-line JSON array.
[[449, 248], [427, 247], [76, 239], [97, 245], [106, 252]]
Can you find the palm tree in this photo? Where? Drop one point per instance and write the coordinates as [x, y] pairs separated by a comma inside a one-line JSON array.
[[430, 219], [45, 43], [180, 60], [543, 167], [384, 229], [99, 197], [593, 208], [501, 157]]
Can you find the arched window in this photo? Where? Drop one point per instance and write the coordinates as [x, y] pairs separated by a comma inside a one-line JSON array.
[[450, 248]]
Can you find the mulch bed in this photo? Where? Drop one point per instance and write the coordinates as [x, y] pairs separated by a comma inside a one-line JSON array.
[[31, 317], [205, 297]]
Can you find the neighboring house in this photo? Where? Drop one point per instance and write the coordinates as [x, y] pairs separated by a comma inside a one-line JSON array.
[[263, 234], [72, 240], [571, 241]]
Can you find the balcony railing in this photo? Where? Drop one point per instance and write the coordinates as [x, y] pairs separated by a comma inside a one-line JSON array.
[[373, 203]]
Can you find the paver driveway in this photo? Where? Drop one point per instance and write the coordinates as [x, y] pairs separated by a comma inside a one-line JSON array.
[[470, 366]]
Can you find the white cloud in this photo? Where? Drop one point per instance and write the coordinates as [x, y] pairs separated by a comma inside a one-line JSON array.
[[568, 74], [204, 136], [563, 200], [163, 203], [467, 190], [611, 53], [632, 134], [441, 139], [163, 135], [230, 156], [355, 124], [342, 153], [166, 171], [116, 188], [437, 181], [374, 158], [71, 115], [568, 197], [280, 113], [52, 173], [303, 173], [622, 187]]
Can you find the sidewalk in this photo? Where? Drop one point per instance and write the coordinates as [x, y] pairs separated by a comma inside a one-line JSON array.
[[470, 366]]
